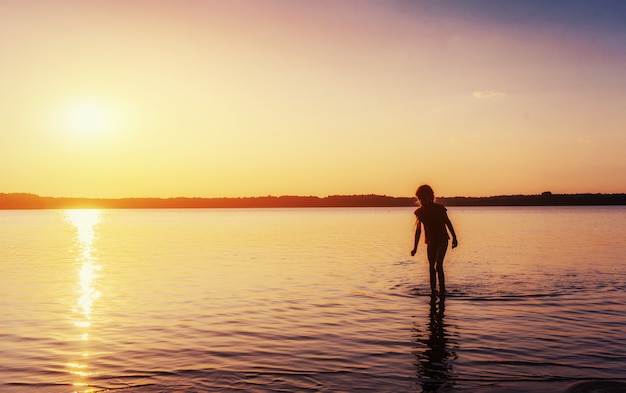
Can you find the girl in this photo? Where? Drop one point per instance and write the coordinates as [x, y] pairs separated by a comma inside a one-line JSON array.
[[435, 220]]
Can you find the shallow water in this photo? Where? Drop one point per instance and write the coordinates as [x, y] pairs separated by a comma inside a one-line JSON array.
[[309, 300]]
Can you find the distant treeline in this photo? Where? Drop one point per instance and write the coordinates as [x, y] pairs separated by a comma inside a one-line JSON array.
[[32, 201], [544, 199]]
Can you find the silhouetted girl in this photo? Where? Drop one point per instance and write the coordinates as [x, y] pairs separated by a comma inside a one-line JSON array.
[[434, 218]]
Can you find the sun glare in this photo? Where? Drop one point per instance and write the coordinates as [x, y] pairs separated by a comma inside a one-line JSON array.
[[86, 118]]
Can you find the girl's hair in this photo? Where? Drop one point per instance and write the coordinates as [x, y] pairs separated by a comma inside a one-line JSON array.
[[425, 194]]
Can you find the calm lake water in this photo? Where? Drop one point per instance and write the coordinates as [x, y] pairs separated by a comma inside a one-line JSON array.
[[310, 300]]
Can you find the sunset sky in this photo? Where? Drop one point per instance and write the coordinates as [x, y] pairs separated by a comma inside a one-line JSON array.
[[141, 98]]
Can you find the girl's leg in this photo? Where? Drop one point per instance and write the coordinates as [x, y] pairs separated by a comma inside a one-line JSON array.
[[431, 251], [439, 256]]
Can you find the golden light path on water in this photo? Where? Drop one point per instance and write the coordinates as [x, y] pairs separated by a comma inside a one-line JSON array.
[[85, 221]]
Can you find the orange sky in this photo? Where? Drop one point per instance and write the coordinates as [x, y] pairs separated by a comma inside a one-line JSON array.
[[250, 98]]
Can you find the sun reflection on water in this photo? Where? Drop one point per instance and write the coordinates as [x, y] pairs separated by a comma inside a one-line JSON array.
[[85, 221]]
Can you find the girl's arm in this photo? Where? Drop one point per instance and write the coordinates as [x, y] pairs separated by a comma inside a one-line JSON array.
[[418, 233], [455, 242]]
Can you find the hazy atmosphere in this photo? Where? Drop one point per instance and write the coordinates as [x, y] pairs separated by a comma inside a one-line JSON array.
[[244, 98]]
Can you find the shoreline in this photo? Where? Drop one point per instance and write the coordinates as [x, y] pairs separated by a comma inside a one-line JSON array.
[[24, 201]]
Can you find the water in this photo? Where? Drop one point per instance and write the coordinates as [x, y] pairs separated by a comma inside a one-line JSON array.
[[310, 300]]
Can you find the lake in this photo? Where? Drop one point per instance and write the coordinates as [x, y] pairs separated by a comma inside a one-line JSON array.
[[311, 300]]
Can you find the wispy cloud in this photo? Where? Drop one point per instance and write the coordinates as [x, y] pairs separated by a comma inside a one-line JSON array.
[[466, 139], [488, 94], [586, 141]]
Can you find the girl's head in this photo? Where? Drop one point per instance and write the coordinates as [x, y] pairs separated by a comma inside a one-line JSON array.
[[425, 194]]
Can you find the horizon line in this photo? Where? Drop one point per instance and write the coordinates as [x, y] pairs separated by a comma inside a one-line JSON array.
[[544, 193]]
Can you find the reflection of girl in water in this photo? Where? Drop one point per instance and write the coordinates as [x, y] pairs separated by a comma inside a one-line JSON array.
[[435, 220], [434, 357]]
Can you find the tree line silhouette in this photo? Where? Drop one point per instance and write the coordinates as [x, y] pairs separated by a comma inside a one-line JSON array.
[[33, 201]]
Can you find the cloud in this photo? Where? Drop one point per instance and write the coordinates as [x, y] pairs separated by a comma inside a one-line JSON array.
[[586, 141], [488, 94], [466, 139]]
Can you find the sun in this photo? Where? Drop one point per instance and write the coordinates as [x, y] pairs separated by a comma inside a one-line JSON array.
[[86, 118]]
